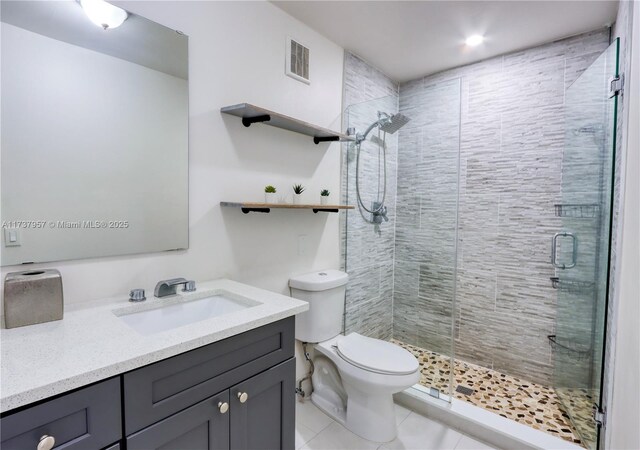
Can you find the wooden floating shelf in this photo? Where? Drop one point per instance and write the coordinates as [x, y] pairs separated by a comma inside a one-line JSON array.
[[248, 207], [254, 114]]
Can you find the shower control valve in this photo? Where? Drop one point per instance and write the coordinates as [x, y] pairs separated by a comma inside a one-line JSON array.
[[379, 213]]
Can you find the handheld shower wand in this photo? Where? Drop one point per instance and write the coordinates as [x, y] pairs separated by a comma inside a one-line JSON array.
[[386, 123]]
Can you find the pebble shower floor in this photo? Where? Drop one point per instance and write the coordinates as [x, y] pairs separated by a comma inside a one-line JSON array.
[[528, 403]]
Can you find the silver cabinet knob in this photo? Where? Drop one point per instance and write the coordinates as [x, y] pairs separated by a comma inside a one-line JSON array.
[[46, 443], [243, 397], [137, 295], [223, 407]]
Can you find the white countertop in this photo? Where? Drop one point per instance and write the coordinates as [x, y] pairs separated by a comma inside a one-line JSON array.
[[91, 343]]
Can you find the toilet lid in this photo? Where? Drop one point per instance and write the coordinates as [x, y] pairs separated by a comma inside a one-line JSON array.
[[375, 355]]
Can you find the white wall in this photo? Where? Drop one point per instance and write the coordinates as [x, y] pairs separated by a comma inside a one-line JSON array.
[[237, 54], [87, 136], [623, 430]]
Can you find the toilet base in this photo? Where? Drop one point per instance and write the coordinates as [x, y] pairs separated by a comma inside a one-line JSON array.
[[359, 399], [371, 416]]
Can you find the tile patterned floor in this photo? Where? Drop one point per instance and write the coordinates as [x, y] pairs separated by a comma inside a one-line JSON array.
[[520, 400], [580, 404], [317, 431]]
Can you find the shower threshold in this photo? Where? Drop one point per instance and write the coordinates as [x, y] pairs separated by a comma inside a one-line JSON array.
[[529, 404], [479, 423]]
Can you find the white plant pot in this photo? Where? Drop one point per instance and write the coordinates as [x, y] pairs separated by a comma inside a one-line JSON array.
[[297, 199], [270, 197], [324, 200]]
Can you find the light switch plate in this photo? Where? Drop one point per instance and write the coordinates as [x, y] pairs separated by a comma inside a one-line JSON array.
[[12, 237]]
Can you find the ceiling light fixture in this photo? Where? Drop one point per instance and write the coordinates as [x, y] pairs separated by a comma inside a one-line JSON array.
[[104, 14], [474, 40]]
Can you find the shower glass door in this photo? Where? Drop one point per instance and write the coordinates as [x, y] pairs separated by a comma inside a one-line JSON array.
[[368, 242], [581, 249], [402, 268]]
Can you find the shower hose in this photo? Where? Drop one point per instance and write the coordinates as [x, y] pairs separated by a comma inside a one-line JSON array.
[[381, 147]]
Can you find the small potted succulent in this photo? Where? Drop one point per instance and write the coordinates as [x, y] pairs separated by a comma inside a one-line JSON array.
[[269, 194], [324, 196], [298, 189]]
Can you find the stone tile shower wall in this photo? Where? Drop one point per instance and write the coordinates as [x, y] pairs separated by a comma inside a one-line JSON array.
[[368, 251], [511, 131]]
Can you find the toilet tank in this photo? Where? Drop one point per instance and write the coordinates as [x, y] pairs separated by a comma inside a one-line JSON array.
[[324, 291]]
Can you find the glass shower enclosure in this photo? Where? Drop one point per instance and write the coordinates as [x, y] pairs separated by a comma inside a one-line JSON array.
[[404, 267]]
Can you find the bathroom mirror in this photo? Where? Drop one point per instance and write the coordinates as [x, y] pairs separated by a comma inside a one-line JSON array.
[[94, 138]]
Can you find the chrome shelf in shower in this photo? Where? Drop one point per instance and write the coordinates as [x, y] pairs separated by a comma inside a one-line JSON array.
[[583, 211], [572, 286], [570, 348]]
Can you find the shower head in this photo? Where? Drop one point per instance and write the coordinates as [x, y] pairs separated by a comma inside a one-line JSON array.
[[387, 123], [394, 123]]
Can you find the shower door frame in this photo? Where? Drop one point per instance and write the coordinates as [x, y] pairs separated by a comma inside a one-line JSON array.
[[599, 412]]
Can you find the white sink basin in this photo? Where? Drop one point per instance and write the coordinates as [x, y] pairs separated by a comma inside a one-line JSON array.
[[184, 313]]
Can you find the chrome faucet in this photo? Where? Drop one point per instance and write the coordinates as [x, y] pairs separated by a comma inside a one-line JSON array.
[[165, 288]]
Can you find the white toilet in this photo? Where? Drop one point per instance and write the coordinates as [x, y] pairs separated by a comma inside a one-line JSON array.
[[355, 377]]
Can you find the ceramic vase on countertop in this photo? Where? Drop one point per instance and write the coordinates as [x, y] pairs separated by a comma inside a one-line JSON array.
[[297, 199], [270, 197], [324, 199]]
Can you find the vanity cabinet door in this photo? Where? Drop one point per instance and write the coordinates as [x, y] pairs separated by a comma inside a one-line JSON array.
[[88, 418], [263, 410], [203, 426]]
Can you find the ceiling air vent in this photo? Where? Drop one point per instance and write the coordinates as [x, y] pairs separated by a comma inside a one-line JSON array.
[[297, 64]]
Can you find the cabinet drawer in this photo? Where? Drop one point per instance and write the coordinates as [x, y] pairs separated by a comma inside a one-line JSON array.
[[166, 387], [87, 418]]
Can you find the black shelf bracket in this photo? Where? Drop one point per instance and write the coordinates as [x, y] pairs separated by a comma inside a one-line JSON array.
[[247, 121], [329, 210], [317, 140], [260, 210]]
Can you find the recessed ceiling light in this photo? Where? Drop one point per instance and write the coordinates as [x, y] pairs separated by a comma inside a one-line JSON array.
[[474, 40], [104, 14]]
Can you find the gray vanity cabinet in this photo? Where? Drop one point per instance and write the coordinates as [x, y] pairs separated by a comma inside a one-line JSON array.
[[257, 414], [159, 390], [238, 394]]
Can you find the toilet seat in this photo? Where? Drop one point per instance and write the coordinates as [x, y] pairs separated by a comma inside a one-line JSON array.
[[375, 355]]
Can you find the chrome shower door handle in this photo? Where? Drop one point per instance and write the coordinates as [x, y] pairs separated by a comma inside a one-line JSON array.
[[554, 250]]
